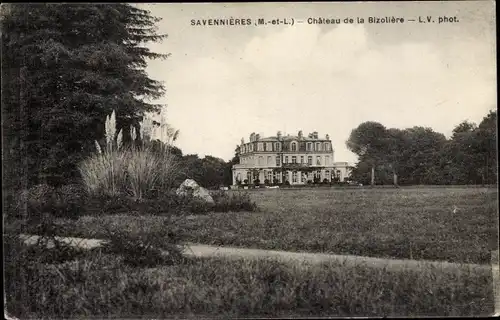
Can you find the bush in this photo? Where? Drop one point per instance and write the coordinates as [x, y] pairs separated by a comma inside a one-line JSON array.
[[267, 182], [145, 249], [134, 170], [236, 201], [68, 201], [168, 203]]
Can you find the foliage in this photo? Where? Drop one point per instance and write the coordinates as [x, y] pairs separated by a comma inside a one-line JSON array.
[[420, 155], [66, 67], [67, 201], [135, 170], [234, 201], [155, 247]]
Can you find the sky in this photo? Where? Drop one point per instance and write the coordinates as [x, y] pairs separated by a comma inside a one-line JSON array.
[[225, 82]]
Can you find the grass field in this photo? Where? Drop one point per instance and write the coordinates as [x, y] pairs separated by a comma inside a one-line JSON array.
[[102, 286], [401, 223], [416, 223]]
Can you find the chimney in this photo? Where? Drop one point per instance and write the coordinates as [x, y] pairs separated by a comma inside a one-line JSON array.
[[327, 136], [300, 135], [315, 135], [252, 137], [257, 137], [279, 135], [242, 141]]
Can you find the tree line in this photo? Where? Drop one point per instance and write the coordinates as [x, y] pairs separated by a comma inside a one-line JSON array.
[[419, 155], [66, 67]]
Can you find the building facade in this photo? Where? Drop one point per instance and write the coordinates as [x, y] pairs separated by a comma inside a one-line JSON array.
[[297, 159]]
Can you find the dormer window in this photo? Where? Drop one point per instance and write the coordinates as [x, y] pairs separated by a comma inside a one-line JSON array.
[[294, 146], [318, 146]]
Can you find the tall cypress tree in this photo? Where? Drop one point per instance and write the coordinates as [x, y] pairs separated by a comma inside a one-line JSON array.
[[65, 67]]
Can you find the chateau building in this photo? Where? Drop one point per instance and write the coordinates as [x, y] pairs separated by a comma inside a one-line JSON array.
[[297, 159]]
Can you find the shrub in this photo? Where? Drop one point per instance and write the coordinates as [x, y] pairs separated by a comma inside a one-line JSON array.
[[145, 249], [135, 170], [267, 182], [236, 201], [67, 201]]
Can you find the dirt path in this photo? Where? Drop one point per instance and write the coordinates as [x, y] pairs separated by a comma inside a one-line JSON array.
[[199, 250]]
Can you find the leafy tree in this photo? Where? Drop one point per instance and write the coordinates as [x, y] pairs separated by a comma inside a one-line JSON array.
[[487, 148], [67, 67], [369, 141], [420, 155]]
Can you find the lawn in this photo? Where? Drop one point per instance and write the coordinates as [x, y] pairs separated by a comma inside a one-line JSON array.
[[451, 224], [99, 285]]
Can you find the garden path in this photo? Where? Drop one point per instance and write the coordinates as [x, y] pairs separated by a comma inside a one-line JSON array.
[[200, 250]]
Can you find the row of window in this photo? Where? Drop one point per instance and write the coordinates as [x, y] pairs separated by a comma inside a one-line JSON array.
[[268, 146], [287, 159], [297, 177]]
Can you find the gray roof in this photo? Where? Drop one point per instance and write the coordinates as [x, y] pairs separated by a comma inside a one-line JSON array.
[[290, 138]]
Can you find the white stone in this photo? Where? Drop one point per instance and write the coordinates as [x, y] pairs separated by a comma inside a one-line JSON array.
[[189, 186]]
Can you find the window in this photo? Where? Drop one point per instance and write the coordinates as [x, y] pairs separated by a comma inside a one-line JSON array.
[[277, 146], [327, 146], [269, 146], [249, 176], [294, 146], [261, 160], [338, 174], [318, 160], [294, 177], [269, 176], [317, 174], [309, 146], [294, 159], [318, 146], [286, 159], [304, 177], [269, 159], [310, 160], [327, 160], [277, 176], [327, 175], [277, 161], [260, 146], [301, 159]]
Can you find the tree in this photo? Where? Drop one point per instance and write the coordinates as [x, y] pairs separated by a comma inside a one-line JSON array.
[[369, 141], [420, 155], [228, 170], [67, 67], [487, 148]]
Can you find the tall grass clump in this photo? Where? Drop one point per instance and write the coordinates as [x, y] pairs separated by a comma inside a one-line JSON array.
[[134, 170]]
